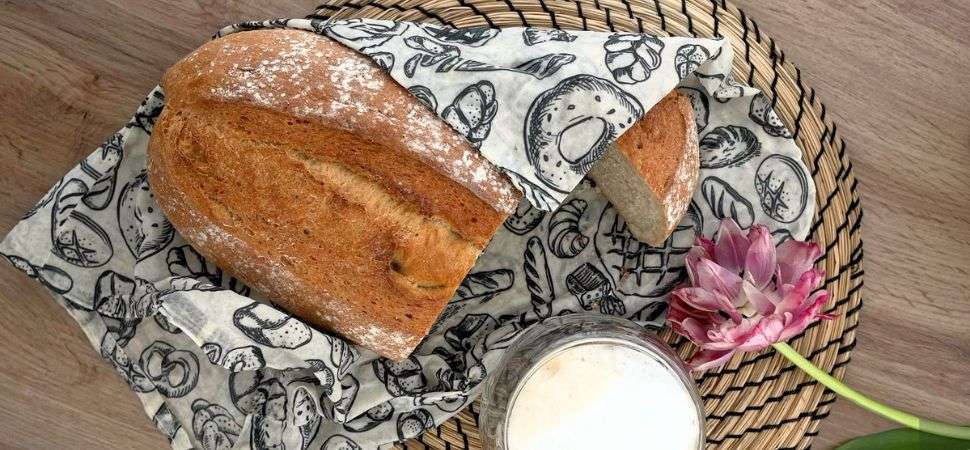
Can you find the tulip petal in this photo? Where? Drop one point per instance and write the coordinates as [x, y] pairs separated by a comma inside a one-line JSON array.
[[718, 345], [709, 359], [760, 261], [678, 312], [695, 330], [802, 319], [794, 296], [767, 331], [794, 258], [706, 244], [750, 294], [703, 299], [731, 246], [694, 255], [716, 278]]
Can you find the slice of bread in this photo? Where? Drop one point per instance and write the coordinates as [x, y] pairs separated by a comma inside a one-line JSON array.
[[651, 172]]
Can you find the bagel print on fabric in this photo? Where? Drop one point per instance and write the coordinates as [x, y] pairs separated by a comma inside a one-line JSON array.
[[218, 366]]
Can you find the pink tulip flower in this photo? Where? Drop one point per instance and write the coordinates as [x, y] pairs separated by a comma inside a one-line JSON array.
[[744, 294]]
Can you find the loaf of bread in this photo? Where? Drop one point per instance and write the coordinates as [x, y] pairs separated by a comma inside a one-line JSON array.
[[304, 170], [651, 173]]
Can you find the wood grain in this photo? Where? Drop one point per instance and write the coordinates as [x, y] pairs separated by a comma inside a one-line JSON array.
[[894, 76]]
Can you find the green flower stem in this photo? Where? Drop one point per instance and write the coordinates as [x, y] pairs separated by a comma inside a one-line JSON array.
[[909, 420]]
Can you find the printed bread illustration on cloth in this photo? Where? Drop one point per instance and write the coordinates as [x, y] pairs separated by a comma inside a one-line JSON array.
[[316, 191], [472, 112], [271, 327], [762, 114], [638, 269], [632, 57], [214, 426], [525, 218], [728, 146], [726, 202], [782, 188], [76, 238], [572, 124], [145, 228]]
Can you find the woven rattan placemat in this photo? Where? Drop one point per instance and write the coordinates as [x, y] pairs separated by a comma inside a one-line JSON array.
[[757, 401]]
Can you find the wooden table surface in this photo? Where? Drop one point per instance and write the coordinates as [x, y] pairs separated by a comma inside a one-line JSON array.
[[895, 77]]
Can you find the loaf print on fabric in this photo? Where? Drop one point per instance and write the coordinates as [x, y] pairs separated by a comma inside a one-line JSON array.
[[412, 424], [525, 218], [220, 368], [242, 358], [371, 418], [782, 188], [269, 326], [728, 146], [401, 378], [144, 227], [538, 278], [53, 278], [725, 202], [535, 36], [237, 359], [762, 114], [305, 417], [76, 238], [472, 111], [689, 58], [699, 104], [589, 285]]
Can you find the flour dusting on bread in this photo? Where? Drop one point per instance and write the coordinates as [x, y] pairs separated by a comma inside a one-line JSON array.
[[355, 82]]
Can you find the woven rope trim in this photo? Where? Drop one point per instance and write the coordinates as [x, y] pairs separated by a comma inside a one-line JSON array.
[[757, 401]]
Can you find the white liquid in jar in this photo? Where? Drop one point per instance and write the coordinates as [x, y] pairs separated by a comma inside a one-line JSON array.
[[601, 396]]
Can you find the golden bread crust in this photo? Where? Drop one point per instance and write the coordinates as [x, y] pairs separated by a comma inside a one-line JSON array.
[[301, 168]]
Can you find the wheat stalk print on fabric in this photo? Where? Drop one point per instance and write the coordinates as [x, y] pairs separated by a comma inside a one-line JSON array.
[[216, 366]]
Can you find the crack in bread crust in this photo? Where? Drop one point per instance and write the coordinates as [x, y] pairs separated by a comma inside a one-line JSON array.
[[382, 206]]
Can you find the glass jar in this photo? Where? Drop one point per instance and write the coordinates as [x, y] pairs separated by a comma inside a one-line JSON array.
[[581, 373]]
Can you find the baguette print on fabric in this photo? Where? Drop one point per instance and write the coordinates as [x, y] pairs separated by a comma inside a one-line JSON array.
[[219, 367]]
